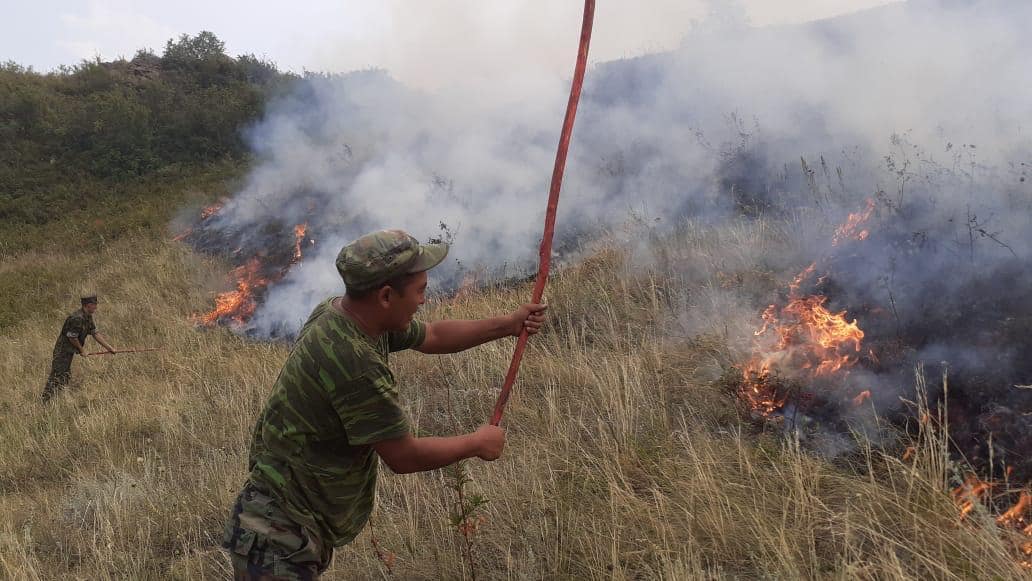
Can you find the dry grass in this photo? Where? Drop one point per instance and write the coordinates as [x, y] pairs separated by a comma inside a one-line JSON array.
[[624, 460]]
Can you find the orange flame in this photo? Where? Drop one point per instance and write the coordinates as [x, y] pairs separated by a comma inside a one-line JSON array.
[[206, 212], [974, 490], [1016, 514], [757, 390], [848, 230], [1025, 548], [211, 210], [969, 494], [238, 305], [861, 398], [299, 236], [809, 339], [825, 332]]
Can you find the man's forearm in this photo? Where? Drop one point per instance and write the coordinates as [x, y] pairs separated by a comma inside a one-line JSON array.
[[429, 453], [103, 343], [454, 336], [75, 343]]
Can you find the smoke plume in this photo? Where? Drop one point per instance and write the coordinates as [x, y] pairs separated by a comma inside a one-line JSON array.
[[921, 107]]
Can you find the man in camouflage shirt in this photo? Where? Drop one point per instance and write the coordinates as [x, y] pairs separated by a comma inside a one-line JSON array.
[[334, 412], [72, 340]]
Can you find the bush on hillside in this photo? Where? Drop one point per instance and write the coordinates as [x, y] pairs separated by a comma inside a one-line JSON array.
[[115, 121]]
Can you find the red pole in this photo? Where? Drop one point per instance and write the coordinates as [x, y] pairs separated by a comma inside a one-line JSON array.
[[125, 351], [545, 253]]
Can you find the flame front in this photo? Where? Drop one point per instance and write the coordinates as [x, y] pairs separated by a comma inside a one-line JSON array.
[[974, 491], [1016, 514], [1018, 517], [237, 305], [810, 341]]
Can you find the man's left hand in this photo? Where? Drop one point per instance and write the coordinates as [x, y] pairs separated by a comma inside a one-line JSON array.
[[530, 317]]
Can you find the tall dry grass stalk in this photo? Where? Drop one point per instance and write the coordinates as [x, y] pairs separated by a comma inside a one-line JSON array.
[[623, 460]]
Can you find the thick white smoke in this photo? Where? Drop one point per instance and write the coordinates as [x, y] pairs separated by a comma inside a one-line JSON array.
[[666, 135]]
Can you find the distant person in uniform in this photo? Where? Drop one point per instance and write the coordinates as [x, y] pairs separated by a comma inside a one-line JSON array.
[[70, 342], [334, 412]]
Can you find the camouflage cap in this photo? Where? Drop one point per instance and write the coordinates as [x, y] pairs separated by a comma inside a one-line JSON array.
[[381, 256], [88, 300]]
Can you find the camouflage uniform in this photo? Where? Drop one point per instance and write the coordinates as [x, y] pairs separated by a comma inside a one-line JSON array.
[[265, 543], [313, 470], [78, 325]]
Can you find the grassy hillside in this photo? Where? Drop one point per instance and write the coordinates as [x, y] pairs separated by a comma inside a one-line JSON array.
[[45, 266], [103, 152], [625, 458]]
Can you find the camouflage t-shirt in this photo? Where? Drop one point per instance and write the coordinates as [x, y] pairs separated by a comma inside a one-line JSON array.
[[333, 398], [78, 325]]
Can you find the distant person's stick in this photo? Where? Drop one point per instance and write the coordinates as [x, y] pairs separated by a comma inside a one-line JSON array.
[[117, 351], [545, 253]]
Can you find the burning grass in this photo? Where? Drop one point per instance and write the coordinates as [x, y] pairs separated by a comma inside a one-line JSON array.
[[623, 461], [251, 279]]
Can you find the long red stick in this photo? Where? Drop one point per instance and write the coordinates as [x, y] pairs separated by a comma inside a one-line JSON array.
[[125, 351], [545, 253]]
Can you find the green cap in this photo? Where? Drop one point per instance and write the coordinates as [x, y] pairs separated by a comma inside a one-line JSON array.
[[381, 256]]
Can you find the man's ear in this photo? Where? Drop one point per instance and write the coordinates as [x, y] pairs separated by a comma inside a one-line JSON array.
[[383, 296]]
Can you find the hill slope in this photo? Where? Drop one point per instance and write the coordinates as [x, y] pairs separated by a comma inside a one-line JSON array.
[[625, 458], [627, 455]]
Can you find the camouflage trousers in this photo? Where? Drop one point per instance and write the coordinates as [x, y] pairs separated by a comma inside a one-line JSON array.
[[60, 375], [265, 545]]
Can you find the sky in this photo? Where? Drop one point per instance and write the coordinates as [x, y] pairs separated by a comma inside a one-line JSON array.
[[424, 44]]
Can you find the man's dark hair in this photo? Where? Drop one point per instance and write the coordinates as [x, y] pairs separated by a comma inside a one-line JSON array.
[[398, 283]]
